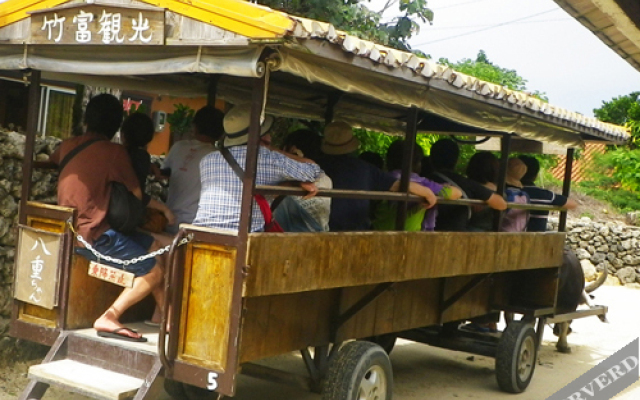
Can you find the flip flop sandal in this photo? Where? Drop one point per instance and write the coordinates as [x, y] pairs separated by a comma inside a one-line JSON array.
[[115, 334]]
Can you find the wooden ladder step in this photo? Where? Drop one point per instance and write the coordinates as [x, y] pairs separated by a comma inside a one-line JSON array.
[[86, 379]]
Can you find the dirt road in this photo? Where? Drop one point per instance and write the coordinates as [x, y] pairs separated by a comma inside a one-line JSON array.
[[423, 372]]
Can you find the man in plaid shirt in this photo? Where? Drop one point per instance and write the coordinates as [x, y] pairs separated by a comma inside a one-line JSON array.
[[221, 192]]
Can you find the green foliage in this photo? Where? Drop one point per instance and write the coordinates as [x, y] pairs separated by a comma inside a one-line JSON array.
[[624, 166], [615, 178], [181, 118], [484, 69], [546, 179], [619, 109], [616, 174], [622, 110], [353, 17], [373, 141], [380, 142]]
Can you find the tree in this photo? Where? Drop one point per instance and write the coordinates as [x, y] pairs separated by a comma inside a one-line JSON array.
[[353, 17], [616, 174], [622, 110], [484, 69]]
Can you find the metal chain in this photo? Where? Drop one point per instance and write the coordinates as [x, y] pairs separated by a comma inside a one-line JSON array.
[[133, 260]]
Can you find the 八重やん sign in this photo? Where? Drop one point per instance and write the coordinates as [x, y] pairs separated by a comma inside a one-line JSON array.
[[94, 24], [37, 267]]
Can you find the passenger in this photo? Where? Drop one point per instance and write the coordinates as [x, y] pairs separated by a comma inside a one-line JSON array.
[[295, 213], [483, 168], [349, 172], [444, 157], [221, 193], [372, 158], [85, 184], [515, 219], [418, 219], [182, 165], [426, 169], [538, 195], [516, 169], [137, 131]]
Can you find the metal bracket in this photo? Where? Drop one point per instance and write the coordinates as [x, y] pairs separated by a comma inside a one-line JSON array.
[[362, 303]]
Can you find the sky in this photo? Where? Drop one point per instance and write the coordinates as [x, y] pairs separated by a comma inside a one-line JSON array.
[[545, 45]]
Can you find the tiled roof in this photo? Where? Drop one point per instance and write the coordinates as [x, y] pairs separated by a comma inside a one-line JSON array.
[[615, 22], [430, 70], [257, 23]]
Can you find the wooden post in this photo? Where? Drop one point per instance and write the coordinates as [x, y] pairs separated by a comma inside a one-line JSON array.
[[32, 130], [332, 100], [407, 164], [566, 187], [249, 180], [505, 144], [212, 90]]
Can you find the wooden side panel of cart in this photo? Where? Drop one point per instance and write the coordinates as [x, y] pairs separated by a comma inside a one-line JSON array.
[[298, 285]]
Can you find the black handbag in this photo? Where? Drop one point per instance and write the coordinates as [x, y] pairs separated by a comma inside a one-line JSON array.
[[126, 212]]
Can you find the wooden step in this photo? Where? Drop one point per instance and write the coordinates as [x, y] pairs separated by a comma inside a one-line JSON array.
[[87, 380]]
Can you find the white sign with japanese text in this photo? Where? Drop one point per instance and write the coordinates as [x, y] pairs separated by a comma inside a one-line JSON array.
[[98, 24], [111, 274], [37, 267]]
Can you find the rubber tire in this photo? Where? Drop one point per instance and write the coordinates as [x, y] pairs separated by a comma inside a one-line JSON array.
[[349, 368], [518, 344], [386, 341]]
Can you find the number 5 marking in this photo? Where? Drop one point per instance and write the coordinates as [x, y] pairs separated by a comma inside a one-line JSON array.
[[211, 379]]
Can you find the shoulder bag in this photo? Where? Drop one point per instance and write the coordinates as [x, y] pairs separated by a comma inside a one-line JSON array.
[[126, 211]]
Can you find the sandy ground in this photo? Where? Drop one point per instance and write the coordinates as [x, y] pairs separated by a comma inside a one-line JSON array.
[[423, 372]]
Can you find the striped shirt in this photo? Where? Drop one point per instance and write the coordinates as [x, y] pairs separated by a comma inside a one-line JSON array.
[[538, 218], [221, 189]]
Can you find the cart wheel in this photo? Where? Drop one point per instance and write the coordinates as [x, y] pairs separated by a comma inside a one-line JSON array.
[[360, 371], [516, 357], [386, 341]]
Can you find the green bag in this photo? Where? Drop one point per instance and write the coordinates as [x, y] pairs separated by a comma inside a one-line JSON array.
[[385, 217]]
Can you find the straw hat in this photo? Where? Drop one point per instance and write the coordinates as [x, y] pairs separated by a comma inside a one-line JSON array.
[[236, 125], [516, 169], [338, 139]]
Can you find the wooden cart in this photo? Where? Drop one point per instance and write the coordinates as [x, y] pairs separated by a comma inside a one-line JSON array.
[[324, 290], [243, 297]]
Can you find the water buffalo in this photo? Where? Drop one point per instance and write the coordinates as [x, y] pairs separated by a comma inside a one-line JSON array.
[[572, 293]]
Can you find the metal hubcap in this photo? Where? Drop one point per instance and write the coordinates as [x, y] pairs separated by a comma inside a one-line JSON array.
[[526, 358], [373, 385]]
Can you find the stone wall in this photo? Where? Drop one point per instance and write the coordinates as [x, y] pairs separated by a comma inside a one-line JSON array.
[[44, 189], [610, 245]]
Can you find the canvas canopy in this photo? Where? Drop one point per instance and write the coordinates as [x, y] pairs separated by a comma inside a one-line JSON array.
[[312, 63]]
